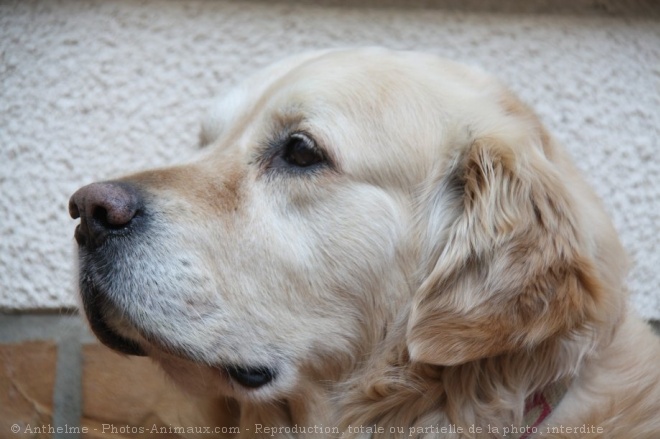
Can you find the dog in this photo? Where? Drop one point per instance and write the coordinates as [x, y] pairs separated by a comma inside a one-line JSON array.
[[374, 244]]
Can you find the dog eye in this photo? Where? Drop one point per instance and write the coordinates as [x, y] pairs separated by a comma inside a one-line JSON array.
[[301, 151]]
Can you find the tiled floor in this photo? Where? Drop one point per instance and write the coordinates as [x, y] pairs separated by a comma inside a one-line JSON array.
[[57, 382], [27, 384]]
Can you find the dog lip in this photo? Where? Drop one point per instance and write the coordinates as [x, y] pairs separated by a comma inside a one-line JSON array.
[[105, 334], [250, 376]]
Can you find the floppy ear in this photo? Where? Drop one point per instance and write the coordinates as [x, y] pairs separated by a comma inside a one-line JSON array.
[[511, 269]]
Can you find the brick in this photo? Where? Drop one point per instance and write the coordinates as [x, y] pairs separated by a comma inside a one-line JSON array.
[[122, 394], [27, 381]]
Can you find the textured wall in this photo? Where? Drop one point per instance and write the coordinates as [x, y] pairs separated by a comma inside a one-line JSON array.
[[93, 89]]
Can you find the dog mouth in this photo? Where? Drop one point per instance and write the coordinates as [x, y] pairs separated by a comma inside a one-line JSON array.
[[114, 327], [95, 304], [97, 307]]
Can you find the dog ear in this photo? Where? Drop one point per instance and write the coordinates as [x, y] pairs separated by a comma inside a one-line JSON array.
[[510, 269]]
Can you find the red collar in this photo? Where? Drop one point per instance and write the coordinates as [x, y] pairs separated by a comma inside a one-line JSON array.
[[539, 406]]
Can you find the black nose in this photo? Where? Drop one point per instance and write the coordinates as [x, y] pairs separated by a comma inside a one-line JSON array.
[[251, 377], [104, 208]]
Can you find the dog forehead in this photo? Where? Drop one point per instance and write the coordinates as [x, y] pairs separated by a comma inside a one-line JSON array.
[[344, 77], [380, 89], [378, 110], [248, 95], [327, 74]]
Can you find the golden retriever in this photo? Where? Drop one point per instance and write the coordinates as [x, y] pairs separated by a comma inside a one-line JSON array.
[[374, 244]]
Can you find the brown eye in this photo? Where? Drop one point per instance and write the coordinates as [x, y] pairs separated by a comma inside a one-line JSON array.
[[301, 151]]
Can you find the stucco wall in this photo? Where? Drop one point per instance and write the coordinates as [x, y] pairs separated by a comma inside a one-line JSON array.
[[93, 89]]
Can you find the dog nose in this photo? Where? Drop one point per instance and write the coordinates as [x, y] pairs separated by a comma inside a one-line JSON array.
[[103, 208]]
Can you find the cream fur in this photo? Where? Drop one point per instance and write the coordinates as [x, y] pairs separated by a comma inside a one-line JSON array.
[[448, 265]]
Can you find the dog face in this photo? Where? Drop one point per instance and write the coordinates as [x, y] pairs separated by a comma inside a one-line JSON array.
[[336, 191]]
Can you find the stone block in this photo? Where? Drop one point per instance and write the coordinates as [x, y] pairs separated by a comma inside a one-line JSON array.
[[27, 381], [130, 397]]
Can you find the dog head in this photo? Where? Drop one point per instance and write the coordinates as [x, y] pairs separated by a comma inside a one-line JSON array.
[[335, 189]]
